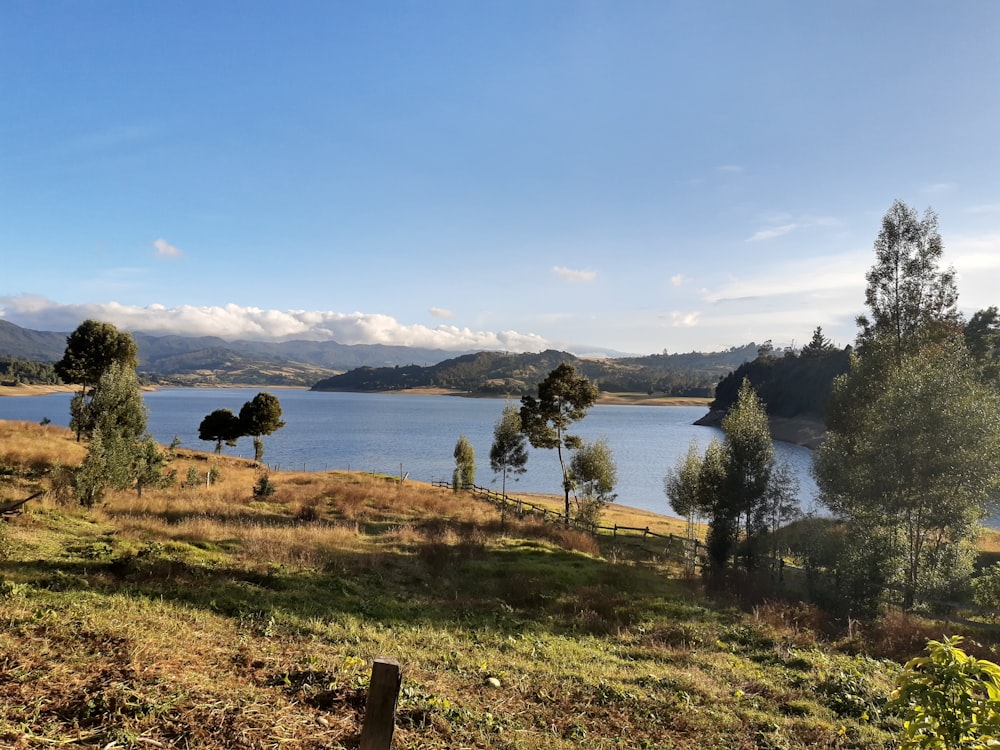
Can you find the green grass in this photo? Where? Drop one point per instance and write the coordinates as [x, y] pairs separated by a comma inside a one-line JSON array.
[[203, 618]]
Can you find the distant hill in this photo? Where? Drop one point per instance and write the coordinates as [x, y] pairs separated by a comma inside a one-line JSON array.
[[189, 360], [328, 365], [498, 373]]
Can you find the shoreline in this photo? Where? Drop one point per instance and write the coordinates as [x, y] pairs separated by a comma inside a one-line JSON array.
[[604, 398]]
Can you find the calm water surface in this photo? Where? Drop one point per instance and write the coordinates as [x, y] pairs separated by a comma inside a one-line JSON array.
[[415, 435]]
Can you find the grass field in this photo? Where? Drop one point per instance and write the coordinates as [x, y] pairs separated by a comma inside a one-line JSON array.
[[202, 617]]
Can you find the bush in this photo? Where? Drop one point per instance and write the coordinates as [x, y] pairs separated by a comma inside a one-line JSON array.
[[986, 587], [948, 699], [264, 486]]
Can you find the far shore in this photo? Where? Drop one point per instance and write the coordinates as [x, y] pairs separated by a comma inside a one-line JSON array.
[[603, 398]]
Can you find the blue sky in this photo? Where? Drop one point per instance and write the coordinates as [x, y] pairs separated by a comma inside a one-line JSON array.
[[628, 176]]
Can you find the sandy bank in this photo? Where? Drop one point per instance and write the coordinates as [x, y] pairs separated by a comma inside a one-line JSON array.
[[34, 390]]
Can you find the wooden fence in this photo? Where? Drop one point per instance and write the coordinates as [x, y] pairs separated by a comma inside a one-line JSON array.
[[688, 551]]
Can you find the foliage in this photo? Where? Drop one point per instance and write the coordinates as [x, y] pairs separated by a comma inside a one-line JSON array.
[[17, 371], [508, 454], [464, 475], [986, 587], [594, 473], [222, 426], [117, 456], [563, 398], [260, 416], [682, 487], [982, 339], [781, 500], [790, 385], [712, 488], [948, 699], [749, 460], [912, 455], [911, 301], [147, 465], [263, 487], [91, 349], [918, 468]]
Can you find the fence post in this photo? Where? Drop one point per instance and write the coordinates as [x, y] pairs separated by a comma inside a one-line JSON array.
[[380, 708]]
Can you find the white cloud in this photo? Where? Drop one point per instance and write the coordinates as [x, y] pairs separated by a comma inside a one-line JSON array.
[[786, 223], [440, 312], [573, 275], [684, 319], [767, 234], [729, 169], [165, 250], [822, 276], [235, 322], [678, 279]]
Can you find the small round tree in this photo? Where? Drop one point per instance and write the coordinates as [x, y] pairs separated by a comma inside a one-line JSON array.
[[222, 426], [260, 416]]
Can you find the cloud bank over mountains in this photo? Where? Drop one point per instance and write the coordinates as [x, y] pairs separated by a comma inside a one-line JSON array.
[[236, 322]]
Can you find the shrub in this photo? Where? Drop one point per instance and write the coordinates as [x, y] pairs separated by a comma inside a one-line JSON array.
[[264, 486], [948, 699]]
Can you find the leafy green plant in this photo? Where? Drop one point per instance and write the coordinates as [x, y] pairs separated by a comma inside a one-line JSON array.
[[948, 699]]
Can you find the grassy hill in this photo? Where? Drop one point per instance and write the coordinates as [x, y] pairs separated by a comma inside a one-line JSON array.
[[202, 617], [502, 373]]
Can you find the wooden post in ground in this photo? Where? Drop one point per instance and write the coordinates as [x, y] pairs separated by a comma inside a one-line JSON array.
[[380, 708]]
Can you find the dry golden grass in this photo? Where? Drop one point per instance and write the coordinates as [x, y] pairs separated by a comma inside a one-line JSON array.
[[206, 617], [33, 447]]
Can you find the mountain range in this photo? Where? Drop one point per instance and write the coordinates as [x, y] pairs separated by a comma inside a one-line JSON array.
[[189, 360], [328, 365]]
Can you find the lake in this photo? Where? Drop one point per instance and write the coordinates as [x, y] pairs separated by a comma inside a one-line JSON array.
[[394, 433]]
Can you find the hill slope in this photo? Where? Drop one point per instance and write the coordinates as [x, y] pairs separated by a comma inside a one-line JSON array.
[[503, 373], [203, 617]]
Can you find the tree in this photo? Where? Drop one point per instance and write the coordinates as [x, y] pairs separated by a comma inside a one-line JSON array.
[[563, 398], [594, 472], [910, 300], [982, 339], [818, 344], [147, 465], [912, 454], [222, 426], [781, 501], [682, 487], [90, 351], [749, 460], [722, 530], [919, 468], [464, 475], [260, 416], [115, 457], [508, 454]]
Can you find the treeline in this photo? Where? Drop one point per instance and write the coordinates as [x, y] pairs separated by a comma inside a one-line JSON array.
[[790, 383], [500, 373], [15, 371]]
